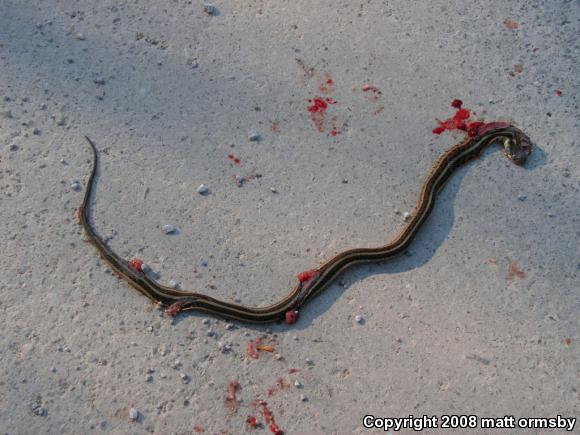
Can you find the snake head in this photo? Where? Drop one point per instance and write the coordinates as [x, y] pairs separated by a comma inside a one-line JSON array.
[[518, 147]]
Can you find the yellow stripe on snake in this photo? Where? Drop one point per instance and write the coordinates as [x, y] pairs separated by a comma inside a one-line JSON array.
[[517, 146]]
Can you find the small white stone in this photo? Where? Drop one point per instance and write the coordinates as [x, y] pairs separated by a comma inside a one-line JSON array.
[[149, 378], [150, 328], [133, 414], [53, 369], [359, 318], [254, 136], [278, 357], [145, 268], [397, 211], [273, 190], [173, 283], [81, 36], [76, 186], [202, 189], [194, 63], [522, 197], [230, 326], [303, 398], [210, 333], [406, 216], [176, 364], [168, 229], [309, 361], [205, 321], [184, 378], [297, 384]]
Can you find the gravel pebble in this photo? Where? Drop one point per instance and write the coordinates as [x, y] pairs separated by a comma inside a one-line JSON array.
[[254, 136], [76, 186], [210, 9], [39, 410], [133, 414], [202, 189], [359, 318], [168, 229], [81, 36]]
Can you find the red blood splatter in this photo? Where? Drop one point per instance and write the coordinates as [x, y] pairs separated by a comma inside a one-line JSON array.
[[518, 68], [234, 159], [373, 88], [328, 84], [460, 121], [559, 92], [292, 370], [334, 132], [568, 341], [291, 317], [307, 275], [317, 112], [175, 308], [136, 264], [479, 128], [455, 123], [330, 100], [251, 350], [491, 261], [510, 24], [198, 429], [457, 104], [270, 420], [275, 126], [252, 422], [231, 400], [514, 271]]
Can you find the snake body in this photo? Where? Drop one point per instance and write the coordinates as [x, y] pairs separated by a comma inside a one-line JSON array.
[[517, 146]]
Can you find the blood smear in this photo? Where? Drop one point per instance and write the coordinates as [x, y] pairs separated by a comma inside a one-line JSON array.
[[460, 121], [318, 112], [511, 24]]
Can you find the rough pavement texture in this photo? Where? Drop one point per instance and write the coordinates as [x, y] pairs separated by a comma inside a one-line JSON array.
[[480, 318]]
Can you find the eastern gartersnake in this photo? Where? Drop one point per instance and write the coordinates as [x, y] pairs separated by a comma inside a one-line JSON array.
[[517, 146]]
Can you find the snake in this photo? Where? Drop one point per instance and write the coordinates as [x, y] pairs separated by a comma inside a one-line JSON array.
[[517, 146]]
